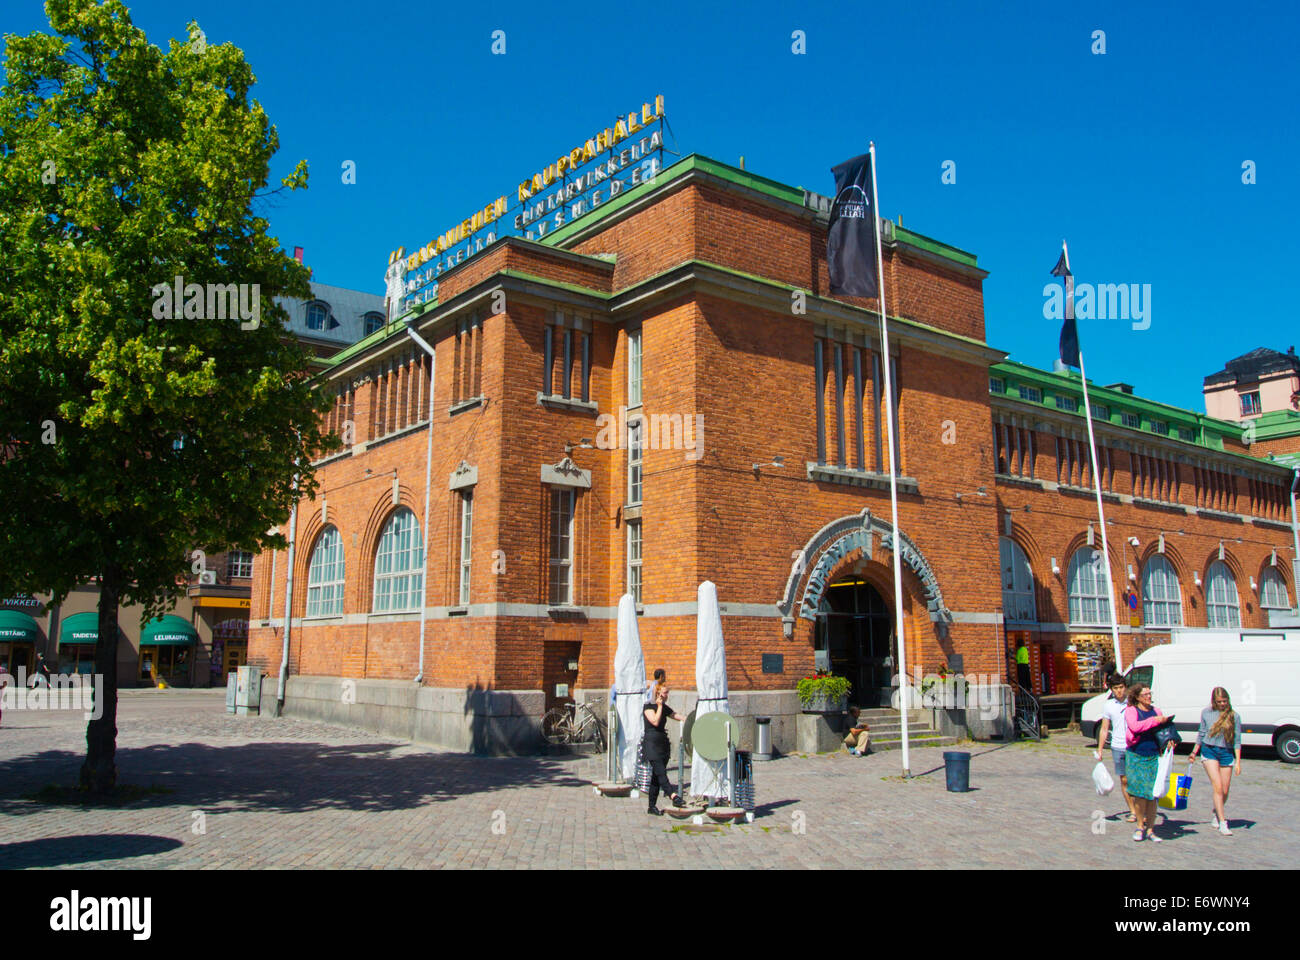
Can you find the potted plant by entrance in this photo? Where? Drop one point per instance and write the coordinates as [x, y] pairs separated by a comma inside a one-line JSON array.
[[823, 692]]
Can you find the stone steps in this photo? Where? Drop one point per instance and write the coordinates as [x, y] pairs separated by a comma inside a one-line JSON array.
[[887, 730], [928, 739]]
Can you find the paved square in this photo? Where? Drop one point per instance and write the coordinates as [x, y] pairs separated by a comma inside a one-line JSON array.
[[285, 793]]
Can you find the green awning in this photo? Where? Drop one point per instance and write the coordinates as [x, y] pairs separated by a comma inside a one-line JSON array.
[[79, 628], [168, 631], [16, 626]]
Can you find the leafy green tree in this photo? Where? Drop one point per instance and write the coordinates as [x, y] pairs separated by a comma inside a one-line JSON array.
[[137, 429]]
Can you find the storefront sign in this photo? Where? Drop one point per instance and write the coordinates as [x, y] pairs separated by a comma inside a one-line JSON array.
[[242, 603], [596, 171], [23, 602]]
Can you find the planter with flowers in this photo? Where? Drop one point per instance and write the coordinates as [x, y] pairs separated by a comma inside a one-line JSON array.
[[823, 692]]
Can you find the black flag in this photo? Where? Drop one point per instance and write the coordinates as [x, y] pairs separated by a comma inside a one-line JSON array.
[[1069, 331], [851, 238]]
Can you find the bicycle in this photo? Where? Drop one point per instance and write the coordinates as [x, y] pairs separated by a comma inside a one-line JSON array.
[[575, 723]]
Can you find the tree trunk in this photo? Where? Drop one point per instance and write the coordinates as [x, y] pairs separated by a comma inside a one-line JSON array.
[[99, 772]]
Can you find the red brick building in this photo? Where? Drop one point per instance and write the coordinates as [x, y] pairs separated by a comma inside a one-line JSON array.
[[661, 392]]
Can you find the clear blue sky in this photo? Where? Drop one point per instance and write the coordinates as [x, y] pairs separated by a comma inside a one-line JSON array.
[[1135, 156]]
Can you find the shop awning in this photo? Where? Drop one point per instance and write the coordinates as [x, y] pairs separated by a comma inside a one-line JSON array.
[[168, 631], [79, 628], [16, 626]]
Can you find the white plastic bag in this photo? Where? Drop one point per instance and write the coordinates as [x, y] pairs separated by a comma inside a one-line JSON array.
[[1166, 767], [1101, 779]]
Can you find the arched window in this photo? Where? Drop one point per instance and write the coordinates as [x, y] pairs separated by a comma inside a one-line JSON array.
[[1162, 598], [325, 576], [1018, 604], [373, 322], [399, 564], [1087, 587], [1222, 605], [1272, 590], [316, 314]]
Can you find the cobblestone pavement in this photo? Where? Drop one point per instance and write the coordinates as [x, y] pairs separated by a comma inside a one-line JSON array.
[[289, 793]]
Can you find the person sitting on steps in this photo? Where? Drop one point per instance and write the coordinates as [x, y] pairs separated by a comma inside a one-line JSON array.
[[859, 735]]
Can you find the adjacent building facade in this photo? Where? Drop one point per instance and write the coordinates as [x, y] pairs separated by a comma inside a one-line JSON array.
[[662, 391], [205, 635]]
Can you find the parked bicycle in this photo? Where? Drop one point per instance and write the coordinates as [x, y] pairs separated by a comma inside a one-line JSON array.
[[575, 723]]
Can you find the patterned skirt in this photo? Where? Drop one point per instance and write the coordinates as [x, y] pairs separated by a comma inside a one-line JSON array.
[[1141, 774]]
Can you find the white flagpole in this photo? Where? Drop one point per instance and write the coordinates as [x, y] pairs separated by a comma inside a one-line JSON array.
[[1096, 476], [904, 700]]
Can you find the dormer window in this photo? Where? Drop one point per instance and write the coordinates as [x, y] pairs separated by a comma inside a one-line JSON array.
[[316, 314], [373, 322]]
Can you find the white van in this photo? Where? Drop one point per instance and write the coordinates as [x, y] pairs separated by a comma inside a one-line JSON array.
[[1260, 669]]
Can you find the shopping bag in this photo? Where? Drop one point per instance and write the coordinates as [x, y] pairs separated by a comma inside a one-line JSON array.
[[1165, 768], [1175, 798], [1101, 779]]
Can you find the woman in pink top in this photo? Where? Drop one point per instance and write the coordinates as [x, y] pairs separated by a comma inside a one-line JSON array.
[[1143, 756]]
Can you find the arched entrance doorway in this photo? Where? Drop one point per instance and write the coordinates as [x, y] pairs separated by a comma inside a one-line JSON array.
[[855, 635]]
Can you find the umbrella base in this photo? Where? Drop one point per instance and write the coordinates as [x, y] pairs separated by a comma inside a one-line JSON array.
[[610, 789]]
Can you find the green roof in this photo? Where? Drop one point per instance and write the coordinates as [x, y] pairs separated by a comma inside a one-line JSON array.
[[1276, 424], [1208, 432]]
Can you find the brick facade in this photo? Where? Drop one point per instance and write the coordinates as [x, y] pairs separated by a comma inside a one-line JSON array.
[[724, 276]]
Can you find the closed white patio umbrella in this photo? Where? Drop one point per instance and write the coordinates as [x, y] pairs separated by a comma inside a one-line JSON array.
[[709, 778], [629, 687]]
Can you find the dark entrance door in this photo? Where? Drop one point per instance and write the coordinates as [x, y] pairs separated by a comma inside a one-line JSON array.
[[855, 628]]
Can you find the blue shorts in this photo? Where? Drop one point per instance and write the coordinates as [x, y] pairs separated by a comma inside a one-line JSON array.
[[1118, 756], [1220, 755]]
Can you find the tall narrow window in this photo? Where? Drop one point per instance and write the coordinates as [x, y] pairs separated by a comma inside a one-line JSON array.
[[325, 576], [1087, 588], [858, 388], [466, 540], [1018, 604], [566, 372], [898, 394], [561, 579], [634, 368], [1272, 590], [586, 367], [548, 361], [875, 410], [1162, 598], [634, 560], [635, 435], [819, 366], [399, 564], [1223, 607], [838, 354]]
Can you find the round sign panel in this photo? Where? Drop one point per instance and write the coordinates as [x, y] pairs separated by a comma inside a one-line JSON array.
[[709, 735], [687, 726]]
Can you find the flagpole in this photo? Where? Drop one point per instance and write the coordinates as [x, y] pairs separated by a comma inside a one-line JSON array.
[[1101, 515], [904, 700], [1096, 475]]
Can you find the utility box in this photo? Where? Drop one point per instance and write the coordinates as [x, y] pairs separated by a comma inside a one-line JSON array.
[[232, 682], [248, 691]]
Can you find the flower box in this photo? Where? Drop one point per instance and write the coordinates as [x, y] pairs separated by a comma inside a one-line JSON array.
[[821, 703], [823, 692]]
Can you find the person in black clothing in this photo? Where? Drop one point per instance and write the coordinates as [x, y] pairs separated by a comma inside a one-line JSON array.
[[655, 744], [42, 672]]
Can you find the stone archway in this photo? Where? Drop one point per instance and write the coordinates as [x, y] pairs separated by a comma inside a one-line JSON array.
[[828, 552]]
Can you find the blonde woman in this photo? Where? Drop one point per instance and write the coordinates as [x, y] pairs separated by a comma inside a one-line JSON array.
[[1219, 740]]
